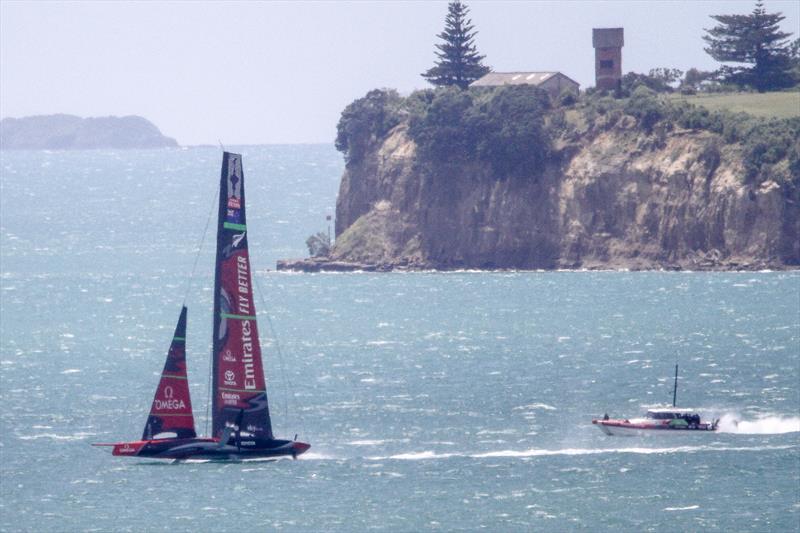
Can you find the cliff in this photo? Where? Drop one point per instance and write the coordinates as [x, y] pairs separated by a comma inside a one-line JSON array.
[[68, 132], [610, 196]]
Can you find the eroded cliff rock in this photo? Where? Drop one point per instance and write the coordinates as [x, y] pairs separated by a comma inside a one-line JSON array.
[[614, 199]]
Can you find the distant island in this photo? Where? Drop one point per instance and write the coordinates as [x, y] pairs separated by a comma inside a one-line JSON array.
[[69, 132]]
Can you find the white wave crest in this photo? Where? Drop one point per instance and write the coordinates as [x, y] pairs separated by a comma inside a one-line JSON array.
[[540, 452], [687, 508], [317, 456], [766, 425], [77, 436]]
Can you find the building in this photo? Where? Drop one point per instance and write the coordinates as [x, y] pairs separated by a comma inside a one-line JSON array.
[[608, 44], [552, 82]]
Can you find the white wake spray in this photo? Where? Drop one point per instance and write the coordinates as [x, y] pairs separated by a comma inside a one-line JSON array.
[[766, 425]]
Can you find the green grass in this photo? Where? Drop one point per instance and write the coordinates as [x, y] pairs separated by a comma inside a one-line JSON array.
[[778, 105]]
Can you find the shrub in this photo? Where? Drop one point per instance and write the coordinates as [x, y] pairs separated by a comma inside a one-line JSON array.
[[319, 245], [767, 142], [646, 107], [567, 98]]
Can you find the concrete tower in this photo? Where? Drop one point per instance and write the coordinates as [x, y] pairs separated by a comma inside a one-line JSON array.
[[607, 44]]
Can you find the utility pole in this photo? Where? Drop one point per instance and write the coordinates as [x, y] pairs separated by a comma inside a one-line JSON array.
[[328, 218]]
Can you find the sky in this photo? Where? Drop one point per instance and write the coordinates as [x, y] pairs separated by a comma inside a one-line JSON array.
[[282, 72]]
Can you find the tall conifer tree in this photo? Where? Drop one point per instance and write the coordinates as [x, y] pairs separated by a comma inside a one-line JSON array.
[[753, 39], [458, 62]]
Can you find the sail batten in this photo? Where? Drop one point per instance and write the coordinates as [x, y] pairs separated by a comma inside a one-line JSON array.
[[239, 397]]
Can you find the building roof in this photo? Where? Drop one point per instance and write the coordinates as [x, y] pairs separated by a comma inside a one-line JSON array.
[[516, 78]]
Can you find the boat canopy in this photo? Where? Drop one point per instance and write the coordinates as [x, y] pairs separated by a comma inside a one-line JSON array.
[[669, 414]]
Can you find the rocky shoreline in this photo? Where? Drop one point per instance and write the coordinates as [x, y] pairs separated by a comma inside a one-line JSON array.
[[702, 264]]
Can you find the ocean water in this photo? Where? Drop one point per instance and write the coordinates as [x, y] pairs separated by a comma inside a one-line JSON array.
[[454, 401]]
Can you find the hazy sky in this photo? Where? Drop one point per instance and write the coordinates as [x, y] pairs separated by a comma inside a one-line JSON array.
[[281, 72]]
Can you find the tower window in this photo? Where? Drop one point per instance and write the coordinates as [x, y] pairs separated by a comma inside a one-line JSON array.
[[606, 63]]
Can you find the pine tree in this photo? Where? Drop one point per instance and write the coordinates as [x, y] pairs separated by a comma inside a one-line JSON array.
[[753, 39], [458, 60]]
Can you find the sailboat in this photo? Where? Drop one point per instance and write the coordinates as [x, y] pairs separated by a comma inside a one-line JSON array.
[[658, 421], [241, 423]]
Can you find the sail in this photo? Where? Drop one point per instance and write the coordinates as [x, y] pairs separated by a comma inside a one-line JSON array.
[[171, 412], [239, 389]]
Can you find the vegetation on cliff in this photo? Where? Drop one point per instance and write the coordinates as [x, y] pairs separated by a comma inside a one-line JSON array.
[[515, 129]]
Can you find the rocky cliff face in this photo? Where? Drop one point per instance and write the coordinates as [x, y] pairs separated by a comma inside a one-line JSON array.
[[615, 199]]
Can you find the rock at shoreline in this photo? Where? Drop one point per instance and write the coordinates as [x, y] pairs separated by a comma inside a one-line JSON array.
[[68, 132]]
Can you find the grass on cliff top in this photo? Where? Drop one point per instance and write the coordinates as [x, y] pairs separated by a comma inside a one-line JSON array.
[[769, 105]]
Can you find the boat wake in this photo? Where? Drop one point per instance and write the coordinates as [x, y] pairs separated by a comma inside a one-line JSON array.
[[767, 425], [539, 452]]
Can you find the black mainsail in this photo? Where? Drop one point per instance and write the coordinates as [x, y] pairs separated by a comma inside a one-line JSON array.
[[239, 388]]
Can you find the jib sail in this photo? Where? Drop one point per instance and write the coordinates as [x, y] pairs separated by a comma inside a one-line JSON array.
[[239, 388], [171, 412]]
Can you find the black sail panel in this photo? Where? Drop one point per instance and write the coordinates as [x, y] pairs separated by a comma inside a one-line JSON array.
[[239, 387]]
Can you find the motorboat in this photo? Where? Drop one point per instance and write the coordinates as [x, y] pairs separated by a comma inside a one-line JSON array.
[[661, 420], [666, 420]]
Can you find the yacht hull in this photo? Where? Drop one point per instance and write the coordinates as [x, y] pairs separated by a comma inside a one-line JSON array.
[[203, 448], [633, 429]]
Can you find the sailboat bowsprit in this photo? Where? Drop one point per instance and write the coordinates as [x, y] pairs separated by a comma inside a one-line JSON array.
[[241, 424]]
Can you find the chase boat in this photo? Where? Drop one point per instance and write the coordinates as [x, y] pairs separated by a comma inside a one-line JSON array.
[[661, 421]]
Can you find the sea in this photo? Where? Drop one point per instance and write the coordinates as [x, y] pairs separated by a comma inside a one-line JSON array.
[[457, 401]]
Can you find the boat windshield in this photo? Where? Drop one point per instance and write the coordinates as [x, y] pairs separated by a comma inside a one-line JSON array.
[[662, 415]]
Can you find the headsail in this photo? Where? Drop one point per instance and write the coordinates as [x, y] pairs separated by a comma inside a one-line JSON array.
[[239, 388], [171, 412]]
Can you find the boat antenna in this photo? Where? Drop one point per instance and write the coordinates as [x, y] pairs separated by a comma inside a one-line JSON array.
[[675, 389], [221, 145]]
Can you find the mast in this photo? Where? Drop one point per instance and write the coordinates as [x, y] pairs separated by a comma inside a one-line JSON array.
[[239, 395], [675, 388]]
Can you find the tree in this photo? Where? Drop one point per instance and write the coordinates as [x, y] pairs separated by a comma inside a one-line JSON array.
[[659, 80], [365, 121], [458, 60], [753, 39], [667, 76], [695, 77], [794, 53]]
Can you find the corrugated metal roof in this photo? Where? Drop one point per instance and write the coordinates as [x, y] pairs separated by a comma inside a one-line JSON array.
[[494, 79]]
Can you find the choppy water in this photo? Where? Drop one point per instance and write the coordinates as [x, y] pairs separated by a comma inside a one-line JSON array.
[[432, 401]]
